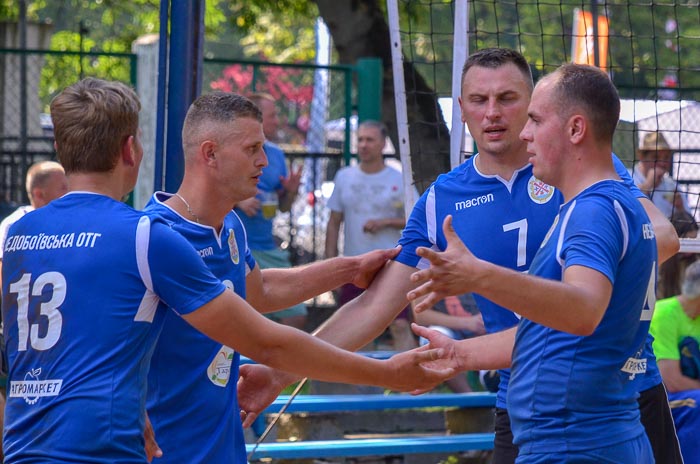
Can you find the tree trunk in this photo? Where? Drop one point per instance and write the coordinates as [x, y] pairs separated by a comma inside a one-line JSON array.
[[359, 29]]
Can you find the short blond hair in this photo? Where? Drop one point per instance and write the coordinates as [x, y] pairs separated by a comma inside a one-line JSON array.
[[91, 120]]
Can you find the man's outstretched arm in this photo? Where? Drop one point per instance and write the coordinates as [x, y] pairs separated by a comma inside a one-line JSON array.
[[583, 291], [274, 289], [352, 326]]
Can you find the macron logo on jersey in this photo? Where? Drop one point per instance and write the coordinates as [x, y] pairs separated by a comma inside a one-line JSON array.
[[482, 200]]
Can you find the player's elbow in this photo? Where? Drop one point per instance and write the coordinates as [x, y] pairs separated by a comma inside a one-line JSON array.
[[270, 353], [585, 324], [667, 243], [583, 330]]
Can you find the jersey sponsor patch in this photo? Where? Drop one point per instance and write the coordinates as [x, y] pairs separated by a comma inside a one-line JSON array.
[[538, 191], [635, 366], [233, 247], [31, 388], [219, 370]]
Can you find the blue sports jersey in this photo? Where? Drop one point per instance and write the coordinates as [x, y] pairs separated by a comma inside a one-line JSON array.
[[572, 393], [500, 221], [258, 228], [82, 278], [192, 399]]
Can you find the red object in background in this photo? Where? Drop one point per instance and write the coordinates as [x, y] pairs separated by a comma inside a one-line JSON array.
[[278, 81]]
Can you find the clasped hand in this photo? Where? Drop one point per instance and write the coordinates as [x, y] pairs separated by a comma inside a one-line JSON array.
[[452, 272]]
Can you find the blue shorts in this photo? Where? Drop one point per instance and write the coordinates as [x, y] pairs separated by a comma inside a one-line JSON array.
[[637, 451]]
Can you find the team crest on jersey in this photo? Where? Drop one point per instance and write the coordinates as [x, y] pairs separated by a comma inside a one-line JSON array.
[[233, 247], [31, 388], [219, 370], [539, 192]]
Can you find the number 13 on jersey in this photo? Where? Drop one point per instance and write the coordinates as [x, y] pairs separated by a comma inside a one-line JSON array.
[[24, 289]]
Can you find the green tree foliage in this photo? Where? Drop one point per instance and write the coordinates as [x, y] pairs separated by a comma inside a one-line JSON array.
[[108, 22], [281, 31], [62, 69], [97, 26], [650, 43]]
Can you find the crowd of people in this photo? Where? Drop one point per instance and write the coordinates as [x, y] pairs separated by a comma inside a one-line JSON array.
[[124, 327]]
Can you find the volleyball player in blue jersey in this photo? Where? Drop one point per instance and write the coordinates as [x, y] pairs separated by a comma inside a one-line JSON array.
[[493, 82], [578, 348], [82, 283], [502, 212], [193, 378]]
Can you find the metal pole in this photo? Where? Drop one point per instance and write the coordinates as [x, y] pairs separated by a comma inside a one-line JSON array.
[[594, 15], [348, 116], [23, 161], [184, 83], [401, 107], [158, 165], [460, 52], [82, 30]]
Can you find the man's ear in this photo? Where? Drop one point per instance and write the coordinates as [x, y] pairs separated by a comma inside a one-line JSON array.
[[208, 151], [127, 152], [462, 118], [577, 128], [38, 195]]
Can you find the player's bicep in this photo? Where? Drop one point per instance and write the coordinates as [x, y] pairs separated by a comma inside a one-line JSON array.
[[594, 287], [229, 320]]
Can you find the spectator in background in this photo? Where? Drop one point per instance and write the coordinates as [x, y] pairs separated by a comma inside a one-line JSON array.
[[675, 326], [369, 200], [652, 174], [671, 271], [459, 318], [46, 181], [277, 190]]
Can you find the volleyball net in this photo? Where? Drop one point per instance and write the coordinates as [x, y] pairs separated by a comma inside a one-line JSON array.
[[651, 50]]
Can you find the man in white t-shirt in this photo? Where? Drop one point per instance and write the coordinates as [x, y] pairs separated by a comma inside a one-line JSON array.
[[368, 199]]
